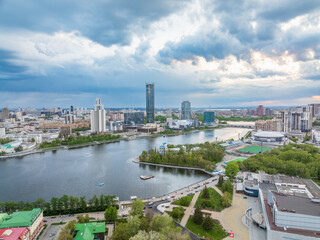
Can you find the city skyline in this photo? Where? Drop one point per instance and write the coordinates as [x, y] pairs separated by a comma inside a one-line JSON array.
[[209, 52]]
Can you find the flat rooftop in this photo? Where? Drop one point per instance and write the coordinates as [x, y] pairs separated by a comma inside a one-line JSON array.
[[300, 205]]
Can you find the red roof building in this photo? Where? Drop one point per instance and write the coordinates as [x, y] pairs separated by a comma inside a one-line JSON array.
[[15, 234]]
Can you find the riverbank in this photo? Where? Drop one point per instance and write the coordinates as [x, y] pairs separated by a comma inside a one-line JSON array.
[[21, 154], [136, 160]]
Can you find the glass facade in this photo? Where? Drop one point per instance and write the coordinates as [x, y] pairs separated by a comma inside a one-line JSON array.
[[186, 110], [208, 118], [150, 102], [134, 118]]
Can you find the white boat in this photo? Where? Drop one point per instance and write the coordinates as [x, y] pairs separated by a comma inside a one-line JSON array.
[[146, 177]]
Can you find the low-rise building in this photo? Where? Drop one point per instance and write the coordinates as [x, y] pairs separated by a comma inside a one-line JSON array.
[[33, 220], [90, 231], [15, 234]]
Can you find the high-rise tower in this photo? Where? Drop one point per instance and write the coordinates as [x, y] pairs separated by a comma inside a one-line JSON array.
[[186, 110], [150, 102], [98, 117]]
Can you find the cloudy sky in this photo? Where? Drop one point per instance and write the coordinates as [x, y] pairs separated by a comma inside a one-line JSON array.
[[218, 53]]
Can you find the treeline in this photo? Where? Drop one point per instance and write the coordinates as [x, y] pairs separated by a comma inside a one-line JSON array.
[[205, 157], [80, 129], [78, 140], [64, 205], [5, 140], [301, 160]]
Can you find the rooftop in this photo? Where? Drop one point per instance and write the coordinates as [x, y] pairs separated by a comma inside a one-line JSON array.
[[12, 233], [297, 204], [20, 219], [86, 231], [266, 134]]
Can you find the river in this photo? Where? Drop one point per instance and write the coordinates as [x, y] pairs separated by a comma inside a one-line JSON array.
[[76, 171]]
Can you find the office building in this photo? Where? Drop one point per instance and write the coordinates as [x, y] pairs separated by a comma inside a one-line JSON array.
[[69, 118], [150, 102], [260, 111], [4, 114], [208, 118], [98, 117], [71, 109], [186, 110], [133, 118]]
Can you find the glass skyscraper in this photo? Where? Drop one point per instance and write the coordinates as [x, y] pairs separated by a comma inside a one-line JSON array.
[[150, 102], [208, 118], [186, 110]]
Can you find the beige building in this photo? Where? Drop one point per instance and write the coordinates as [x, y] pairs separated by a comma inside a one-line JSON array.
[[269, 125]]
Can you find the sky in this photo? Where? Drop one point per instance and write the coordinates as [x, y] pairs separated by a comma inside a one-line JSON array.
[[212, 53]]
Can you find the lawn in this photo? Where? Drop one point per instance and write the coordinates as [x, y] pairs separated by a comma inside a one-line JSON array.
[[213, 203], [177, 219], [184, 201], [254, 149], [216, 233], [236, 160]]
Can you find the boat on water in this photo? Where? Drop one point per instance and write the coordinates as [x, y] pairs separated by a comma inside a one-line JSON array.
[[100, 184], [146, 177]]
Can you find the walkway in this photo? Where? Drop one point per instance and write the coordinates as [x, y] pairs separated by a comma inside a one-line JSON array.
[[189, 210]]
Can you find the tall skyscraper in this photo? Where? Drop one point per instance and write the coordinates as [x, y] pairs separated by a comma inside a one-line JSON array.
[[71, 109], [208, 118], [186, 110], [260, 111], [98, 117], [150, 102], [4, 114]]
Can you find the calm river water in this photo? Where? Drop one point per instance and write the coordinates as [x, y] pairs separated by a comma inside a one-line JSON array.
[[76, 172]]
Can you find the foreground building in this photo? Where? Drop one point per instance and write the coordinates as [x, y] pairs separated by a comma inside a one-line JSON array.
[[290, 205], [33, 220], [90, 231], [15, 234]]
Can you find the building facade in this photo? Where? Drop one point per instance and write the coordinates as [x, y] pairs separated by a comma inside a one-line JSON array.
[[134, 118], [260, 111], [208, 118], [150, 102], [186, 110], [98, 117]]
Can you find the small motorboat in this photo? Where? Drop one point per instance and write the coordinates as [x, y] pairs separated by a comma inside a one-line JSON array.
[[100, 184], [146, 177]]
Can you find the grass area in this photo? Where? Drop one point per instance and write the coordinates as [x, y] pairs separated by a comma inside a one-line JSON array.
[[212, 203], [254, 149], [58, 223], [216, 233], [237, 160], [175, 218], [184, 201]]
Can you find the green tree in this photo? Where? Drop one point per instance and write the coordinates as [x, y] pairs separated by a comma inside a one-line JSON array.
[[197, 217], [220, 181], [111, 214], [80, 219], [137, 208], [178, 212], [207, 223], [232, 169], [205, 193], [152, 235], [134, 223], [120, 232], [83, 203], [101, 201], [225, 200], [227, 187]]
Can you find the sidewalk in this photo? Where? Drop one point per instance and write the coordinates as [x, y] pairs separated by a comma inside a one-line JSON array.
[[189, 210]]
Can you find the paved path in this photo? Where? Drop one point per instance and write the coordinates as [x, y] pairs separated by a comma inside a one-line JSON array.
[[217, 189], [189, 210]]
